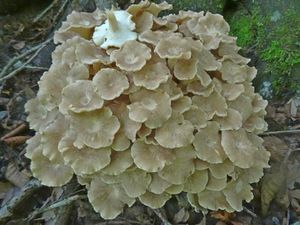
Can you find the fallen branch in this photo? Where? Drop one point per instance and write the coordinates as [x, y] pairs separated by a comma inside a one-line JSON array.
[[17, 58], [161, 217], [59, 204], [45, 11], [280, 132], [19, 69], [8, 210], [19, 129]]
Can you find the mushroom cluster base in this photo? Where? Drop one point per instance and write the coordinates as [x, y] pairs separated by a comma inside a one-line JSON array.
[[142, 107]]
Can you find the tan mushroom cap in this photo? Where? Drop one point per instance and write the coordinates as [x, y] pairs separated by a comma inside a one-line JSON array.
[[158, 185], [239, 148], [32, 144], [166, 48], [196, 182], [221, 170], [214, 104], [149, 157], [186, 69], [120, 161], [83, 161], [79, 24], [201, 165], [135, 182], [209, 28], [88, 53], [181, 135], [207, 61], [144, 132], [234, 73], [256, 124], [172, 89], [153, 37], [80, 96], [38, 115], [229, 91], [207, 144], [110, 83], [181, 168], [153, 108], [50, 174], [233, 120], [143, 22], [236, 192], [152, 75], [150, 7], [197, 88], [247, 109], [128, 126], [108, 200], [132, 56], [214, 200], [182, 104], [121, 142], [196, 116], [95, 129], [154, 201], [175, 189], [216, 184]]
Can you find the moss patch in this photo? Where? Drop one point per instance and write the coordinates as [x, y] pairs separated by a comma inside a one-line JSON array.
[[276, 44]]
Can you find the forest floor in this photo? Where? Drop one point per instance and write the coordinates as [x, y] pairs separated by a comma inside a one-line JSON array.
[[26, 45]]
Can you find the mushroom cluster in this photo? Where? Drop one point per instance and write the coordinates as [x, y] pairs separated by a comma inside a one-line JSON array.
[[144, 107]]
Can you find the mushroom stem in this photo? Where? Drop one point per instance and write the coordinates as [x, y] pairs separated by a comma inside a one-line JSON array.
[[112, 20]]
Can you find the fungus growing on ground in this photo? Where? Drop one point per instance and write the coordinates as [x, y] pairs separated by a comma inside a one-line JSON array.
[[142, 107]]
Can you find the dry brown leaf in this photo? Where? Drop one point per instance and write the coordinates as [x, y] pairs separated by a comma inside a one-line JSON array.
[[272, 184], [181, 216], [223, 216], [4, 188], [276, 146]]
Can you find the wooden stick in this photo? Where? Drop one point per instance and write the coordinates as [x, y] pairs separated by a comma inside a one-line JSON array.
[[17, 58], [280, 132]]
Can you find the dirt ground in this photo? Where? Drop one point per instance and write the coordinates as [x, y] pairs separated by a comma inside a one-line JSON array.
[[26, 45]]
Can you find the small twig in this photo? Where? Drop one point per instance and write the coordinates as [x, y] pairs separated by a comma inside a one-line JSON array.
[[16, 140], [19, 129], [250, 212], [59, 204], [45, 11], [8, 210], [19, 69], [60, 10], [161, 217], [280, 132], [17, 58], [288, 217], [35, 68]]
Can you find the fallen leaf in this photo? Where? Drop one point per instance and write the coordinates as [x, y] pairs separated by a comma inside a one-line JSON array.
[[272, 183], [4, 188], [181, 216], [276, 146], [19, 45], [222, 215]]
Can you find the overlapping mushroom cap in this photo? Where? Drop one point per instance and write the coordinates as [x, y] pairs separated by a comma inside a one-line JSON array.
[[144, 107]]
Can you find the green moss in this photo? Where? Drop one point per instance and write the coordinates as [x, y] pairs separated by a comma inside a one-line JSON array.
[[282, 53], [215, 6], [248, 28], [241, 28], [276, 43]]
